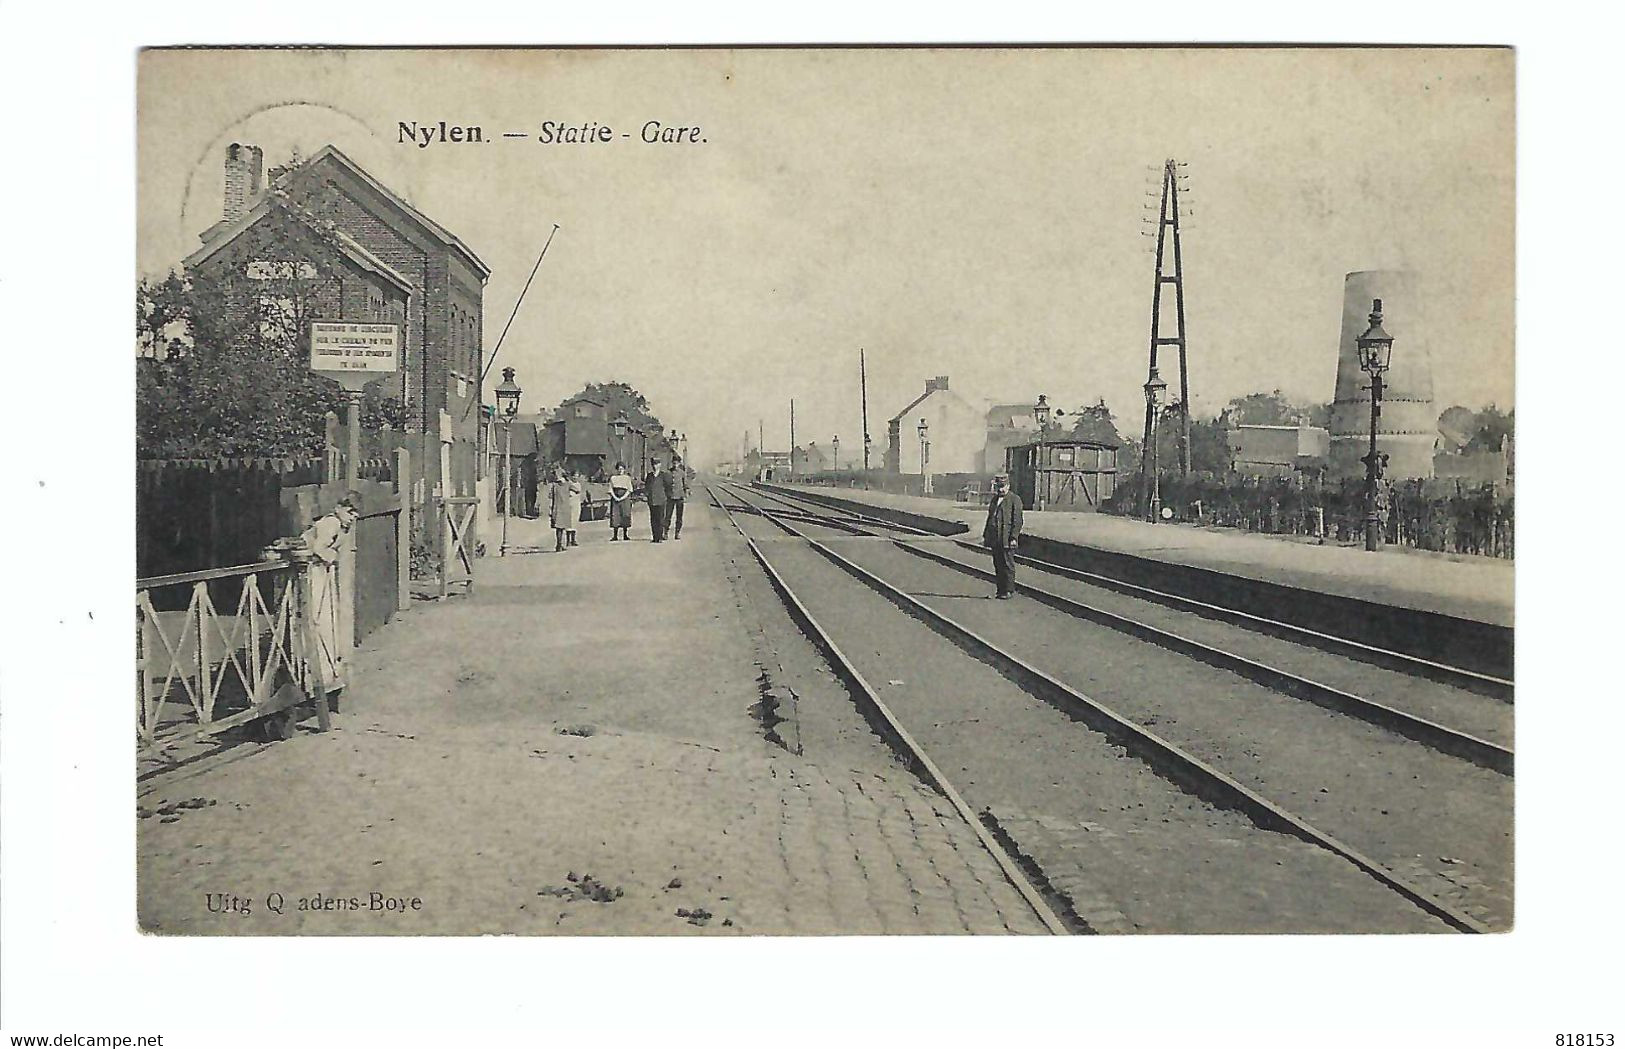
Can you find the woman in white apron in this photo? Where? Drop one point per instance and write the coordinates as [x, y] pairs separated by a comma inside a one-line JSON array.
[[576, 487], [325, 538], [620, 504]]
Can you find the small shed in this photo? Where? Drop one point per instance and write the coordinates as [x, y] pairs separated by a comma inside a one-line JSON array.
[[1070, 473], [516, 449]]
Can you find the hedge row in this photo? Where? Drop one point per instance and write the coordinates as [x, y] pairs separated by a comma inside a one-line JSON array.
[[1448, 516]]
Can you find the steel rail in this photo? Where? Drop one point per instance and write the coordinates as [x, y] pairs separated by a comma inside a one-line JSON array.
[[1430, 734], [894, 734], [881, 522], [1166, 759], [1485, 684]]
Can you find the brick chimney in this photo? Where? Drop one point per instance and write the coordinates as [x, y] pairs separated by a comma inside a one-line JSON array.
[[245, 173], [939, 383]]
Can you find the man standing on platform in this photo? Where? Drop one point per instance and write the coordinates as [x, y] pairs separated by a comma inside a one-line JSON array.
[[1001, 532], [657, 492], [678, 489]]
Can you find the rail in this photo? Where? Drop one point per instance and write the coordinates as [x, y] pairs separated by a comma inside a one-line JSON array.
[[892, 731], [1490, 684], [1439, 737], [1170, 761]]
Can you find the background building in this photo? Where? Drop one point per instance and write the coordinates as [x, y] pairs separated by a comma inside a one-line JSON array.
[[1278, 451], [443, 315], [810, 460], [958, 432], [1071, 473], [1008, 426], [1409, 422]]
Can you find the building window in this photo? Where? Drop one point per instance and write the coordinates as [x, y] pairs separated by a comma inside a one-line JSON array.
[[277, 318]]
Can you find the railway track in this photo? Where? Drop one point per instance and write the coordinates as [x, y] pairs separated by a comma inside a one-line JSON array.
[[1403, 662], [1274, 662], [1185, 759]]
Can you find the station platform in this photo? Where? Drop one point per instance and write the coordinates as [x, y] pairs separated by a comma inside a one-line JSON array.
[[1477, 589], [567, 749]]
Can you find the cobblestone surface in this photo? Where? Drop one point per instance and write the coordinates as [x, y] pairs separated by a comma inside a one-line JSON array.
[[762, 843]]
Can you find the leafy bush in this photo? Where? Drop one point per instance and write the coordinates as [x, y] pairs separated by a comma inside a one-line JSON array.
[[1428, 515]]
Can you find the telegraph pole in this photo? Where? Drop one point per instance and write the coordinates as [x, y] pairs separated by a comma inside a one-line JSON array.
[[1168, 221], [863, 392], [792, 438]]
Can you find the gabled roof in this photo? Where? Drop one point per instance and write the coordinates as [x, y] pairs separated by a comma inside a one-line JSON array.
[[1008, 414], [1092, 428], [585, 437], [922, 397], [524, 439], [436, 230], [910, 406], [224, 233]]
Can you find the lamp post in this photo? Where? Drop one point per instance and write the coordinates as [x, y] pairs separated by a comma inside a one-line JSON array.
[[835, 442], [1155, 388], [924, 430], [866, 444], [1376, 349], [508, 393], [618, 426]]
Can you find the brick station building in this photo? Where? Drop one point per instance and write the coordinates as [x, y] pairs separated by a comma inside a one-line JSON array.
[[389, 262]]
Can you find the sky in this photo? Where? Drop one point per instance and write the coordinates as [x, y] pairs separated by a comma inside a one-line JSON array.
[[974, 214]]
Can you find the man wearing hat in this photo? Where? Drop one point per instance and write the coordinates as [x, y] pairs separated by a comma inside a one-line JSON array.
[[676, 493], [1001, 532]]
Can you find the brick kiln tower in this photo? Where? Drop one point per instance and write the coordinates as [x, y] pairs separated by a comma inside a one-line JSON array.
[[1409, 423]]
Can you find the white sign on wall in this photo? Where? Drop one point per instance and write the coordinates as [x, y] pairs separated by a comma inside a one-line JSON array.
[[260, 269], [354, 346]]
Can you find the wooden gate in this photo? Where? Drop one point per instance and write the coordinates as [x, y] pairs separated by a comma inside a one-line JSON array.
[[203, 670], [457, 515]]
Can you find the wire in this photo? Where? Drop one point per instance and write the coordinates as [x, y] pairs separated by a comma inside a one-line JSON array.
[[498, 347]]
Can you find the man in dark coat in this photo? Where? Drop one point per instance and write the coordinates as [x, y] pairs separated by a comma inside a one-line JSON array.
[[676, 492], [1001, 532], [657, 491]]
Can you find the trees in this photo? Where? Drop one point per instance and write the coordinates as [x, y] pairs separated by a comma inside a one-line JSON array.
[[224, 369], [1096, 423], [1493, 427], [1210, 446], [1276, 409], [618, 397]]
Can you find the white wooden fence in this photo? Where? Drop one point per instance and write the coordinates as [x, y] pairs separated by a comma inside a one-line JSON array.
[[202, 669]]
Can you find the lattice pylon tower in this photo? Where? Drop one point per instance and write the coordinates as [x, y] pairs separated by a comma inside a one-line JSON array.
[[1167, 223]]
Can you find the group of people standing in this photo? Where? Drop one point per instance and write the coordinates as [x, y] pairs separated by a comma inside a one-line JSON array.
[[665, 490]]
